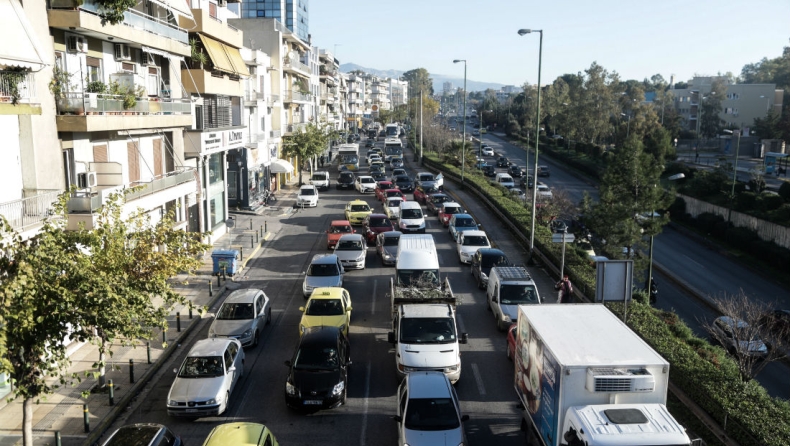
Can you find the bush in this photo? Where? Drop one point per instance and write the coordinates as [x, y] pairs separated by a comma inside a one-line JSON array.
[[742, 238], [784, 191], [769, 202], [782, 214], [706, 221], [745, 201]]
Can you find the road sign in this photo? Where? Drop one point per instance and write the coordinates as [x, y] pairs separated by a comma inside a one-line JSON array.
[[559, 238]]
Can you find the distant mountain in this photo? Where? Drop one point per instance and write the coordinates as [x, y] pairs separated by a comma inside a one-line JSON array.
[[438, 79]]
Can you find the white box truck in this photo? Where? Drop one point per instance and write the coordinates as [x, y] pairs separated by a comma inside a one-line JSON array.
[[424, 329], [584, 378]]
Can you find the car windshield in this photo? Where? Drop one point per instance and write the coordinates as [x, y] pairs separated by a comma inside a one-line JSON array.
[[349, 245], [319, 176], [235, 311], [394, 193], [394, 203], [489, 261], [201, 367], [439, 199], [431, 190], [367, 180], [359, 208], [452, 210], [464, 223], [410, 213], [391, 241], [338, 229], [419, 278], [324, 307], [380, 222], [426, 177], [398, 172], [431, 414], [309, 191], [346, 176], [316, 358], [402, 179], [476, 240], [323, 270], [427, 330], [518, 294]]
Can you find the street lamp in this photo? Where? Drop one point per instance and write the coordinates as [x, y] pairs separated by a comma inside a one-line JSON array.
[[628, 129], [677, 176], [522, 32], [734, 171], [463, 123]]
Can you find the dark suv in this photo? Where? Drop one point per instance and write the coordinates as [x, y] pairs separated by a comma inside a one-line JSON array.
[[318, 372], [515, 171], [489, 171], [482, 262], [502, 161], [345, 180]]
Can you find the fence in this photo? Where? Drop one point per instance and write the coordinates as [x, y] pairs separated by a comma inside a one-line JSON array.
[[29, 211]]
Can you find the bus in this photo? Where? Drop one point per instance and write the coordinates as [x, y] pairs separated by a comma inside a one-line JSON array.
[[348, 154], [393, 131], [392, 146]]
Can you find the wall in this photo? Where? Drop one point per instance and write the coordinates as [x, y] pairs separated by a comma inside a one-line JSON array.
[[11, 180]]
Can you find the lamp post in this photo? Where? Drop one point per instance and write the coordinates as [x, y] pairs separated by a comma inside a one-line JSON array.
[[522, 32], [628, 128], [734, 171], [421, 129], [675, 177], [463, 123]]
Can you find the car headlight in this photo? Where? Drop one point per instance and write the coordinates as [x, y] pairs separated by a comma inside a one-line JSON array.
[[338, 389], [452, 368], [387, 255], [361, 257], [290, 389], [301, 328], [172, 403], [247, 333], [215, 401]]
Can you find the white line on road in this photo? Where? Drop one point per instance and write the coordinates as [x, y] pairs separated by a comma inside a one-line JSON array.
[[373, 305], [693, 261], [478, 379], [363, 432]]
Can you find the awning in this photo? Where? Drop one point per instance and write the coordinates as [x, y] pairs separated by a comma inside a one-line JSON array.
[[217, 54], [150, 50], [25, 51], [236, 60], [281, 166], [180, 7]]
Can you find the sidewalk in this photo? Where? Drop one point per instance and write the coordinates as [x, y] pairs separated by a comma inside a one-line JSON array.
[[63, 411]]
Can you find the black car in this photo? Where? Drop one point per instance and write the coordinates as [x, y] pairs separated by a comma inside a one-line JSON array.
[[370, 143], [434, 201], [150, 434], [515, 171], [528, 181], [403, 182], [378, 176], [543, 171], [482, 262], [489, 171], [502, 161], [318, 372], [345, 180]]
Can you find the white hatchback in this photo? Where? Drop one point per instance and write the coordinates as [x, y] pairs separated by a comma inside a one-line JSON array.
[[308, 196], [468, 244], [365, 184]]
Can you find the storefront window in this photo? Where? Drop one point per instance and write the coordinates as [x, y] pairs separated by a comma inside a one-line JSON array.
[[216, 171], [217, 209]]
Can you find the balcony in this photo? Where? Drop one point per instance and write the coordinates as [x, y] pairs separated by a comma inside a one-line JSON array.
[[294, 66], [275, 134], [251, 97], [136, 26], [23, 82], [296, 96], [272, 99], [91, 112], [27, 212], [213, 27], [296, 127], [211, 82]]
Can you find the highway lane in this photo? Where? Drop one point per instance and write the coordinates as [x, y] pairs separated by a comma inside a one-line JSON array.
[[485, 389]]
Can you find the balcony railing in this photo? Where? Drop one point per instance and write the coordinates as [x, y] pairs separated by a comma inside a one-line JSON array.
[[253, 96], [290, 128], [87, 202], [24, 82], [291, 95], [296, 65], [29, 211], [105, 104], [275, 134], [272, 99], [133, 18]]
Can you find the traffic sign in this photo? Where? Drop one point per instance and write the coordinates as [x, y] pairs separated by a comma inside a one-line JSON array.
[[559, 238]]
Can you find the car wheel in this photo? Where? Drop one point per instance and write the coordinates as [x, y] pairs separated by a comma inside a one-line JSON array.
[[227, 402], [509, 356], [269, 317], [255, 339], [480, 284]]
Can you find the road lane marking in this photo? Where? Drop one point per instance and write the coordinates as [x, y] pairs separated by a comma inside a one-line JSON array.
[[373, 306], [693, 261], [478, 379], [363, 432]]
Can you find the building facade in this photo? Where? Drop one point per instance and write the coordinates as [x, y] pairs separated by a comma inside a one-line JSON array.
[[294, 14]]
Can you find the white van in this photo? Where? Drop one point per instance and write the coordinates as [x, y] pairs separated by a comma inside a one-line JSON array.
[[411, 217], [504, 180], [509, 287]]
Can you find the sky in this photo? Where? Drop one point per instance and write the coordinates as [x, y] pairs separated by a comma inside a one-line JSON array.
[[635, 38]]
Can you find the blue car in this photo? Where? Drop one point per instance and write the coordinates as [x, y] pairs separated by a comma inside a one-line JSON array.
[[460, 223]]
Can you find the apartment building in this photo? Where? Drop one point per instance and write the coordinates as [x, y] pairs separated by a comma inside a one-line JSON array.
[[331, 109], [398, 92]]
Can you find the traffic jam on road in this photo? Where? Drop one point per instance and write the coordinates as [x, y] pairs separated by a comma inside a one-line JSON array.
[[409, 325]]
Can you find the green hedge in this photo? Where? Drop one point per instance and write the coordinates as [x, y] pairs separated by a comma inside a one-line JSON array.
[[703, 372]]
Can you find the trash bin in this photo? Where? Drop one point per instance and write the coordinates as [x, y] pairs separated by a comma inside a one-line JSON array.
[[227, 258]]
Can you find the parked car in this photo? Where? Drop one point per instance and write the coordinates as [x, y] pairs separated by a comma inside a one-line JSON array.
[[543, 171], [447, 210], [242, 316], [327, 307], [148, 434], [392, 207], [206, 378], [738, 338], [483, 260], [239, 434], [351, 249], [387, 246], [356, 211], [318, 371], [421, 193], [435, 200], [459, 223], [365, 184], [345, 180], [428, 411], [307, 196], [375, 224], [336, 229], [325, 270]]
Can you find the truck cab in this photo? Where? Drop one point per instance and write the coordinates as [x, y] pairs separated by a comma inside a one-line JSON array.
[[508, 287]]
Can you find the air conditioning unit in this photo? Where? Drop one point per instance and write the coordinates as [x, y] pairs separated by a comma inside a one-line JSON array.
[[87, 179], [147, 59], [122, 52], [222, 3], [77, 44], [610, 380]]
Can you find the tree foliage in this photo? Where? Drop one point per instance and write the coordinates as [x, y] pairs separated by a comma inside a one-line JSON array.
[[419, 80], [711, 123], [305, 144], [112, 11]]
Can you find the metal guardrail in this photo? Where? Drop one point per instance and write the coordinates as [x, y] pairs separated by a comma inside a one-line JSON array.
[[26, 85], [94, 103], [87, 202], [29, 211]]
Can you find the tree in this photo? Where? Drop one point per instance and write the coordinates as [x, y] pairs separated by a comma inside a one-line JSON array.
[[768, 127], [60, 285], [112, 11], [419, 79], [305, 144], [710, 122], [744, 337]]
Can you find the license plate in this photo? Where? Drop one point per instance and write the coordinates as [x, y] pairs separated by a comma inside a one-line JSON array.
[[191, 410], [313, 402]]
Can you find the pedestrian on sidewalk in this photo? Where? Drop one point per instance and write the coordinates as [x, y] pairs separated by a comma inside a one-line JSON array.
[[565, 289], [321, 160]]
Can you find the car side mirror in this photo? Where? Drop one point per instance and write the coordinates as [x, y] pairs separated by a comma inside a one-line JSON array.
[[232, 369], [464, 418], [349, 309], [288, 363], [397, 418], [391, 337], [175, 370], [464, 338], [301, 308]]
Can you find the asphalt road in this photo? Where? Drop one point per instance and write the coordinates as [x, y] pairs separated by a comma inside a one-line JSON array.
[[685, 258], [485, 388]]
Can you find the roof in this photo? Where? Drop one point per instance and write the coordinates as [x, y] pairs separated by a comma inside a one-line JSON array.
[[485, 252], [350, 237], [474, 232], [131, 435], [324, 259], [589, 335], [377, 216], [243, 295], [235, 434], [391, 234], [357, 202], [329, 292], [210, 347], [319, 335], [428, 384], [340, 223]]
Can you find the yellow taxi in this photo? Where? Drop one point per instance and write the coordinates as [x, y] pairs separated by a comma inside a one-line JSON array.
[[327, 307], [241, 434], [356, 211]]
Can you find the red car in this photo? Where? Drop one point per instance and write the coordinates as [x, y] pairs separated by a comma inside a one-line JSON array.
[[447, 210], [511, 341], [374, 224], [381, 187], [394, 193], [421, 193], [336, 230]]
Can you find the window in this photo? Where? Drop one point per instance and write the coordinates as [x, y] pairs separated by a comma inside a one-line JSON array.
[[228, 359], [94, 69], [152, 84], [268, 441]]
